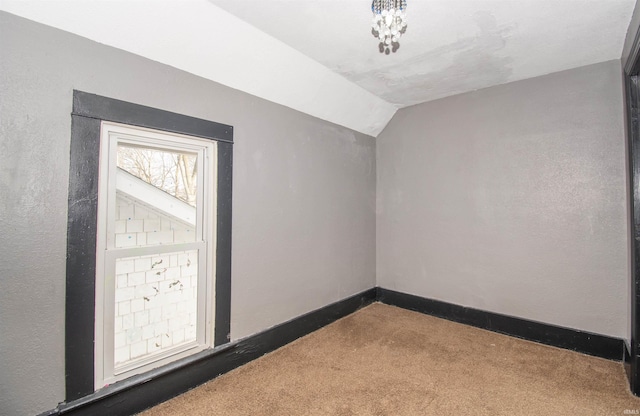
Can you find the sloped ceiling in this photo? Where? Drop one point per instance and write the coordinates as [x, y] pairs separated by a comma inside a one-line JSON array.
[[451, 46], [319, 56]]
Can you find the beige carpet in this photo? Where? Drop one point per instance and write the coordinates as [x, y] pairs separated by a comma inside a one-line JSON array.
[[384, 360]]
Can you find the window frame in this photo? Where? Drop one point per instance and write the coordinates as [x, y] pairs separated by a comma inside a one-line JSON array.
[[88, 113], [112, 134]]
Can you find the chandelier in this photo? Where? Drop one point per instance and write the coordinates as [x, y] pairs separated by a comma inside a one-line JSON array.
[[389, 21]]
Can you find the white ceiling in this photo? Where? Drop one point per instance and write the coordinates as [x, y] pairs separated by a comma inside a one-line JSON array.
[[451, 46], [319, 56]]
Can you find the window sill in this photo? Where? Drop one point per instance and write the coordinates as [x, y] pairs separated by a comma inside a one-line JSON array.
[[143, 378]]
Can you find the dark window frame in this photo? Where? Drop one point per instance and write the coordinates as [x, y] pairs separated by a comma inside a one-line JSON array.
[[89, 110]]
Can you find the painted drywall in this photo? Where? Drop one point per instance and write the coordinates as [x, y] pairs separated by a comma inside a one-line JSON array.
[[199, 37], [320, 57], [450, 47], [303, 197], [511, 200]]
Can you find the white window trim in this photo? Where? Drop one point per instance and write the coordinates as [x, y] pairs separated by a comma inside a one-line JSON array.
[[110, 134]]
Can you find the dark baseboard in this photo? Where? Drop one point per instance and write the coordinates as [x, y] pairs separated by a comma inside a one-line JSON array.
[[571, 339], [142, 392], [139, 393]]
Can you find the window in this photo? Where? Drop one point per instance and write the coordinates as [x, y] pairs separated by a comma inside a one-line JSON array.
[[155, 266], [148, 243]]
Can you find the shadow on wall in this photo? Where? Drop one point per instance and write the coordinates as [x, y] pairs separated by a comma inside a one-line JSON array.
[[476, 54]]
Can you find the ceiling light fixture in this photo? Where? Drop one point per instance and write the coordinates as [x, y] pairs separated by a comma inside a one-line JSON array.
[[389, 22]]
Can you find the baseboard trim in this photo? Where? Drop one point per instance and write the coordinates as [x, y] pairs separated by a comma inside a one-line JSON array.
[[571, 339], [140, 393], [143, 392]]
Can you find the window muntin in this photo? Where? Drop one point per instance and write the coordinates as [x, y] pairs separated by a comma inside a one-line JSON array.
[[155, 266]]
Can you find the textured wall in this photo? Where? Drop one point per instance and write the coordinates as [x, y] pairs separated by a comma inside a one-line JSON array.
[[138, 225], [303, 197], [156, 295], [512, 200]]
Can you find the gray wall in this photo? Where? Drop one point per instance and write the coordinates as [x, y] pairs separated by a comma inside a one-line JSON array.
[[303, 207], [512, 200]]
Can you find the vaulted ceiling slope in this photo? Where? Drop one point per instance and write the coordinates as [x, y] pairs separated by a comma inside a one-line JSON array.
[[319, 56]]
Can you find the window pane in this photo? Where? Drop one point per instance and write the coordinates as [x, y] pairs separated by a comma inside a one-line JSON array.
[[155, 304], [174, 172], [156, 197]]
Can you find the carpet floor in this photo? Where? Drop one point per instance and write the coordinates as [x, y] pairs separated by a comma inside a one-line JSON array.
[[384, 360]]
